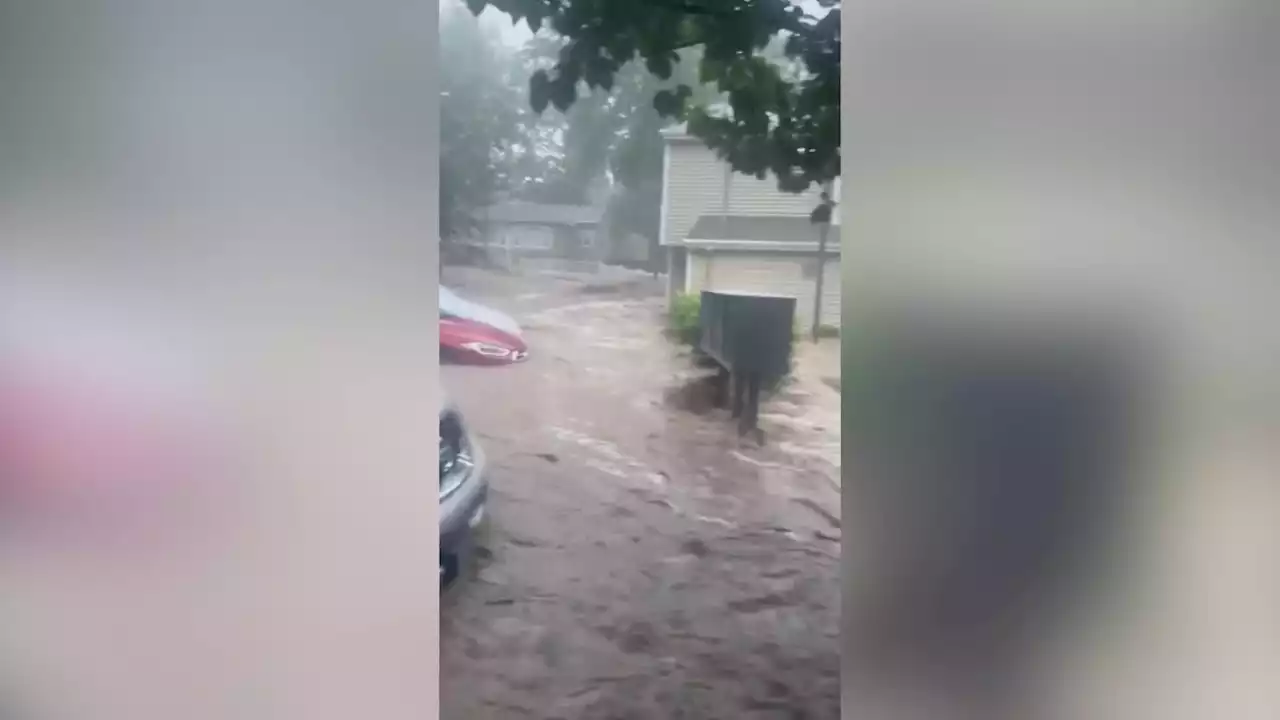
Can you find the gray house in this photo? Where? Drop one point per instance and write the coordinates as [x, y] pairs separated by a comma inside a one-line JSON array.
[[538, 236]]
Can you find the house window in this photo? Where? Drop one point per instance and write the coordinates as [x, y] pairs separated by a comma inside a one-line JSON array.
[[530, 237]]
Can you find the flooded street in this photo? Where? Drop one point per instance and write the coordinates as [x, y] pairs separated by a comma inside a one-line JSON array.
[[641, 560]]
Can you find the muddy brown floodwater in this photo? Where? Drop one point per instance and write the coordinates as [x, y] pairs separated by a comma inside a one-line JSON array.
[[642, 561]]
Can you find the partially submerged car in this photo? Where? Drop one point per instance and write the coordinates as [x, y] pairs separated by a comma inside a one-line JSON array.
[[474, 334], [464, 493]]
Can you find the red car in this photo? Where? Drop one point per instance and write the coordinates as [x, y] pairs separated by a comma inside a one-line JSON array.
[[476, 335]]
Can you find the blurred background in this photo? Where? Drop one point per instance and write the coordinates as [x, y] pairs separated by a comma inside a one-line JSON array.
[[215, 286], [1060, 224]]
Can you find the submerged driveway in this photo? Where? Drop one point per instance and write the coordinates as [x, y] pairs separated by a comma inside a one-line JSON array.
[[642, 561]]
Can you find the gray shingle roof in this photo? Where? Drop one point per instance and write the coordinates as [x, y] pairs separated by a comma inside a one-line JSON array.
[[762, 228], [528, 212]]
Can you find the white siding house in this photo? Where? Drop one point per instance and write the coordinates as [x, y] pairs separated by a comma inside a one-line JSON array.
[[724, 230]]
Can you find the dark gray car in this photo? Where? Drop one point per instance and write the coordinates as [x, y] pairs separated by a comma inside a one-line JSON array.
[[464, 493]]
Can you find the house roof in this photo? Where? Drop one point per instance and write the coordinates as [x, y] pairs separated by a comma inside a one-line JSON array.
[[758, 228], [518, 211]]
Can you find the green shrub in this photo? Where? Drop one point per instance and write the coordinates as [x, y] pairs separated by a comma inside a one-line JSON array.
[[683, 318]]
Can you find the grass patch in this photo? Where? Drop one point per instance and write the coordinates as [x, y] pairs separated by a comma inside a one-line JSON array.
[[684, 319]]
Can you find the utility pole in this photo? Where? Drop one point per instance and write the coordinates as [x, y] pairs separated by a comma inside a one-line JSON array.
[[821, 217]]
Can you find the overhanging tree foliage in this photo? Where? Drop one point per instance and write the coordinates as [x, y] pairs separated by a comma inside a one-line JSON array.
[[774, 121], [614, 132], [602, 132]]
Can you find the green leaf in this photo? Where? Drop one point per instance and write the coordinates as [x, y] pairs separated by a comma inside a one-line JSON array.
[[539, 91], [668, 103], [659, 66], [563, 93], [599, 73], [732, 50]]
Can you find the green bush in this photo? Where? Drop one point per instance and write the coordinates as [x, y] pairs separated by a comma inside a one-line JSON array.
[[683, 318]]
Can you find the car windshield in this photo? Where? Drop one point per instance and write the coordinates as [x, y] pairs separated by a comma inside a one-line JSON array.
[[448, 297]]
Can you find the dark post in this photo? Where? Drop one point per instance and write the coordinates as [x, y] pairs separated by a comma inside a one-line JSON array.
[[749, 417], [721, 394], [739, 393]]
